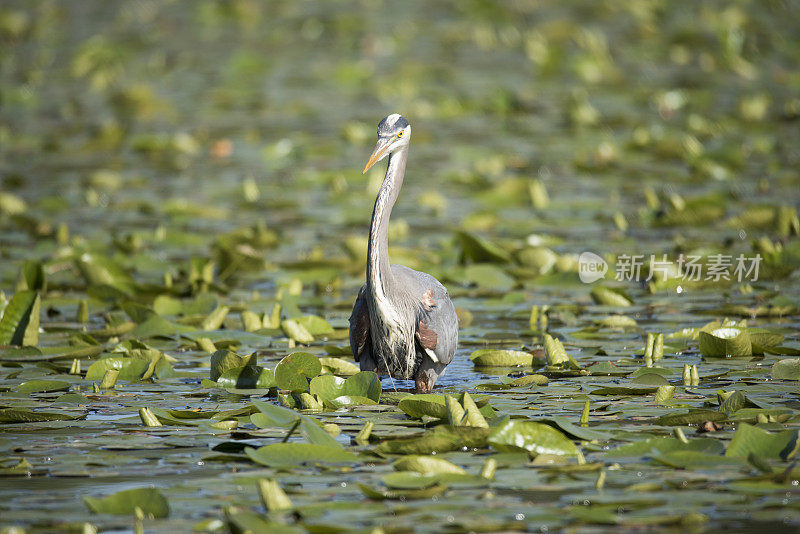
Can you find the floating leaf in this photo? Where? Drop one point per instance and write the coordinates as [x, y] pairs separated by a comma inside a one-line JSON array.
[[31, 277], [315, 325], [272, 495], [20, 415], [617, 321], [475, 248], [338, 366], [42, 386], [501, 358], [579, 432], [404, 495], [689, 459], [536, 438], [150, 501], [19, 324], [788, 369], [441, 439], [725, 343], [223, 360], [363, 384], [423, 404], [247, 377], [753, 440], [129, 368], [273, 415], [666, 445], [293, 454], [327, 387], [692, 417], [426, 465], [102, 271], [316, 434], [625, 390], [611, 297], [295, 370], [405, 480], [296, 331]]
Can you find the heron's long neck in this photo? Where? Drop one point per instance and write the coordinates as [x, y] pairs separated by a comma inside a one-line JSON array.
[[379, 277]]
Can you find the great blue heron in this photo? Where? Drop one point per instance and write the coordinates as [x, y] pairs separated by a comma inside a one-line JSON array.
[[403, 322]]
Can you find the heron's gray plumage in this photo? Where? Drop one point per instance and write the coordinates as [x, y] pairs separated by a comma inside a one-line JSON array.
[[403, 322]]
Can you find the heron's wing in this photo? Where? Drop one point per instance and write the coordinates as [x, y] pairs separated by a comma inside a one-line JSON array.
[[359, 324], [437, 327], [437, 322]]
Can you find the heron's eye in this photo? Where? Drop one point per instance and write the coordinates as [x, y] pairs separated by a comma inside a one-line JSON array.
[[400, 134]]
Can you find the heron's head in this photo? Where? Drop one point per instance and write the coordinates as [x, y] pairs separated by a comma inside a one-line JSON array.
[[394, 133]]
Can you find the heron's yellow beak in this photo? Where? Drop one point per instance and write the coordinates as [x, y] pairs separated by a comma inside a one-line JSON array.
[[378, 154]]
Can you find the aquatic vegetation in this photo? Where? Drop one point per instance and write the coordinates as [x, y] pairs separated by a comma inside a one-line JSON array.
[[613, 208]]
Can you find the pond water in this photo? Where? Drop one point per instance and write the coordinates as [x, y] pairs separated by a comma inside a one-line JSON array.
[[175, 166]]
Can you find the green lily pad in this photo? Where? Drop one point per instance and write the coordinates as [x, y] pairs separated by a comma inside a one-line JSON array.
[[247, 377], [536, 438], [315, 325], [441, 439], [501, 358], [725, 342], [611, 297], [753, 440], [327, 387], [129, 368], [149, 500], [689, 459], [19, 324], [433, 405], [405, 480], [43, 386], [102, 271], [667, 445], [349, 400], [426, 465], [692, 417], [273, 415], [296, 331], [20, 415], [405, 495], [295, 370], [787, 369], [475, 248], [362, 385], [284, 455], [625, 390], [338, 366], [578, 432], [223, 360]]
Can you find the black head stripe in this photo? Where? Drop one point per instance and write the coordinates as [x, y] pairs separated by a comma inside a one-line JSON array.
[[392, 124]]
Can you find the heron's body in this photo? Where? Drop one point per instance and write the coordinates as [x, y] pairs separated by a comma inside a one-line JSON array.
[[403, 323]]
